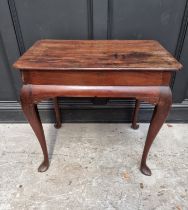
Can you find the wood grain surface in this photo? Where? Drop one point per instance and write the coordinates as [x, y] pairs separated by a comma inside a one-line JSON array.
[[137, 69], [97, 55], [121, 77]]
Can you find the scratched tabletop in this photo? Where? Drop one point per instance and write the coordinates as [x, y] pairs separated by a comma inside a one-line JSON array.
[[97, 54]]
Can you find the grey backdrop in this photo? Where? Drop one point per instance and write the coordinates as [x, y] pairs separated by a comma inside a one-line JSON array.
[[22, 22]]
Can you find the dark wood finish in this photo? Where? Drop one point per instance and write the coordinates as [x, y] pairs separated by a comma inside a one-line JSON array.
[[113, 69], [135, 115], [149, 94], [31, 112], [94, 77], [159, 116], [57, 113], [96, 55]]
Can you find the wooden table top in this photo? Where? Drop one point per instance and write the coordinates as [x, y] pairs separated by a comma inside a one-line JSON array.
[[97, 55]]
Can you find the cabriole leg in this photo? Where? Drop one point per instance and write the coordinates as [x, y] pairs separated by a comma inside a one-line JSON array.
[[31, 112], [57, 113], [159, 116], [135, 115]]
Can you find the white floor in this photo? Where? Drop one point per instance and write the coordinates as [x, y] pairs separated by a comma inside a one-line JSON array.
[[93, 167]]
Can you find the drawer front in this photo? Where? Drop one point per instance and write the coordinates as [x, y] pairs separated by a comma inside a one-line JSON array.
[[96, 78]]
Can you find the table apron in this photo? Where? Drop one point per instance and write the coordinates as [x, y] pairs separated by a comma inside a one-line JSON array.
[[96, 78], [150, 94]]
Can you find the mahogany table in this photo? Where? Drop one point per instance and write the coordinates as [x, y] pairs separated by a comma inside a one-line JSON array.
[[111, 68]]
